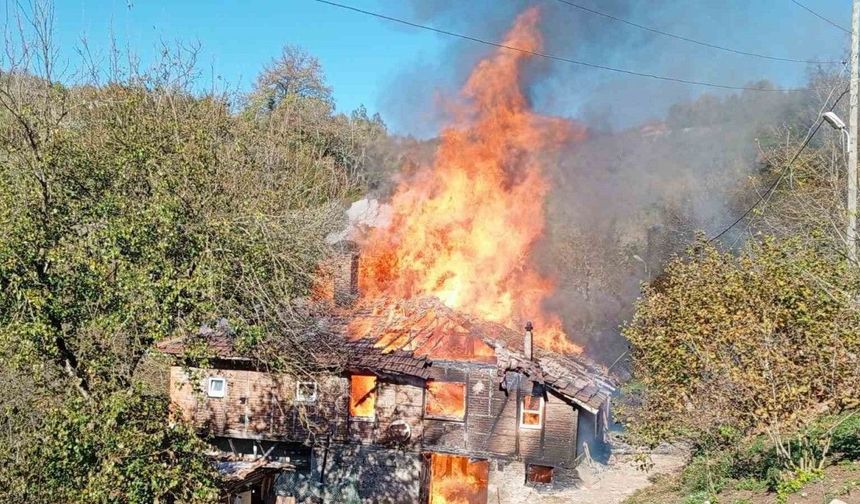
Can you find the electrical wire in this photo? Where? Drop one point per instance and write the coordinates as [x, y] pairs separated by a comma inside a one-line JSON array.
[[767, 194], [557, 58], [819, 16], [691, 40]]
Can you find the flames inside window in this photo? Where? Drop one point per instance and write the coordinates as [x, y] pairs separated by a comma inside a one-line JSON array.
[[362, 396], [458, 480], [446, 400], [538, 474], [531, 412]]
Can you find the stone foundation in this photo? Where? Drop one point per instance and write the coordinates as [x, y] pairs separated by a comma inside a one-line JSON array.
[[507, 484], [360, 474], [357, 475]]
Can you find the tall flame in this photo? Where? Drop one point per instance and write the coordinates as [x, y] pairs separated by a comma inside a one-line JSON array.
[[464, 226]]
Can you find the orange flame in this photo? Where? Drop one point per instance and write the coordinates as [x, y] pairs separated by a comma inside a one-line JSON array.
[[445, 399], [457, 480], [362, 396], [463, 227]]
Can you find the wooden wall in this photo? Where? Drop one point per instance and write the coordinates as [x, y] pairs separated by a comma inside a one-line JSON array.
[[401, 400], [261, 406], [492, 428]]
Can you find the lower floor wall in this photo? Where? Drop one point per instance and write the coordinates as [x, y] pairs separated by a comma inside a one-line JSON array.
[[363, 475], [507, 484], [356, 475]]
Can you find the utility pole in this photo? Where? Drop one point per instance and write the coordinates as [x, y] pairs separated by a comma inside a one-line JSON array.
[[851, 233]]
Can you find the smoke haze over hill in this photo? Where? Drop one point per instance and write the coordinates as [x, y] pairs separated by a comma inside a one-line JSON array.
[[662, 160]]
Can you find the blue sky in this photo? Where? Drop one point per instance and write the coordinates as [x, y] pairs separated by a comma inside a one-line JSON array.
[[238, 38], [396, 70]]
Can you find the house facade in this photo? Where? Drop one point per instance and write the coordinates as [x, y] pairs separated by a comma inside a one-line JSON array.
[[431, 407]]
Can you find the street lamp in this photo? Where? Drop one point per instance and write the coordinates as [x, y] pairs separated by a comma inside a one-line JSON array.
[[834, 120], [839, 125], [850, 237]]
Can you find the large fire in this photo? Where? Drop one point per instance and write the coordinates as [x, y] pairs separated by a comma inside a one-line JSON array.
[[465, 225]]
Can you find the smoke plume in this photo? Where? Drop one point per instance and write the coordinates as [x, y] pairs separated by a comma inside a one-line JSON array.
[[661, 160]]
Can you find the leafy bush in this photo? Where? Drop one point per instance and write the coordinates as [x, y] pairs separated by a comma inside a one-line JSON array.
[[752, 484], [707, 473], [119, 450], [846, 438], [698, 498], [748, 342], [793, 483]]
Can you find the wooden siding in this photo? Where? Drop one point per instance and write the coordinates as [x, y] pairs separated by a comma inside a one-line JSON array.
[[559, 432], [259, 405]]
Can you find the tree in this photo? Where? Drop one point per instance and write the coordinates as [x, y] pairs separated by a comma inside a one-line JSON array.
[[132, 211], [293, 74], [762, 342]]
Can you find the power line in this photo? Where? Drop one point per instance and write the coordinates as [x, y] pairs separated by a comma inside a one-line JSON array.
[[690, 40], [553, 57], [819, 16], [767, 194]]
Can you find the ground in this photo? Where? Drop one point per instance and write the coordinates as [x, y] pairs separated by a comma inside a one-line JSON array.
[[840, 481], [611, 483]]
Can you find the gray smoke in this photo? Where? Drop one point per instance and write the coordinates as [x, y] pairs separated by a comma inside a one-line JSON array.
[[771, 27], [662, 160]]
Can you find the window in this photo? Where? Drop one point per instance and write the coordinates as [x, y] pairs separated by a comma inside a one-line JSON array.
[[457, 479], [362, 396], [217, 387], [531, 412], [445, 400], [306, 392], [538, 474]]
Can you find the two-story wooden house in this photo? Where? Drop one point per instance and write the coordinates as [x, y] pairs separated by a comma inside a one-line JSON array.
[[432, 406]]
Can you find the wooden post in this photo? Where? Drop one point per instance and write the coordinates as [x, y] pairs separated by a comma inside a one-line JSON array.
[[851, 232]]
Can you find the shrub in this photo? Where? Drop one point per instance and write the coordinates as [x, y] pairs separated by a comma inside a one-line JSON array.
[[707, 473], [846, 439], [793, 483]]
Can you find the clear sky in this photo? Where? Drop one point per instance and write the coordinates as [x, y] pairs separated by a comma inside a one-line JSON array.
[[238, 38], [390, 68]]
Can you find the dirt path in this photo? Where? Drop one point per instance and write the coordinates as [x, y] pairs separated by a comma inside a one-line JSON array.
[[607, 484], [612, 483]]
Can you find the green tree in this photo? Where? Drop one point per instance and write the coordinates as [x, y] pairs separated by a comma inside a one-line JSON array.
[[760, 342], [135, 210]]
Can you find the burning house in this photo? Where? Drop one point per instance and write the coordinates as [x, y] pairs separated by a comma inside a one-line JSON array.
[[447, 394], [432, 406]]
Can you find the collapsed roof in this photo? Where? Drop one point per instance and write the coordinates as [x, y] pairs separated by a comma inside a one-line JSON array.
[[405, 337]]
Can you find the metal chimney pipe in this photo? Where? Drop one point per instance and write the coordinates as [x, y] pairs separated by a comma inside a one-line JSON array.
[[529, 341]]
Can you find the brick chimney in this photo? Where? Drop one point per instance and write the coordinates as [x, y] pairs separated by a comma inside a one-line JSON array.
[[345, 272], [528, 342]]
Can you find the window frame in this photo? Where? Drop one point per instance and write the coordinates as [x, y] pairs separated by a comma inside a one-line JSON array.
[[539, 412], [216, 394], [449, 418], [374, 391], [530, 481], [302, 398]]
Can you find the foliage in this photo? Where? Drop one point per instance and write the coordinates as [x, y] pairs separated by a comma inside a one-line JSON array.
[[752, 484], [119, 450], [698, 498], [752, 342], [846, 438], [134, 210], [706, 474], [794, 482]]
